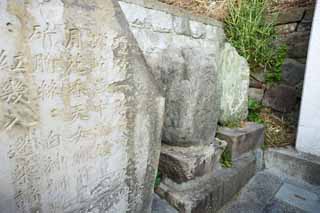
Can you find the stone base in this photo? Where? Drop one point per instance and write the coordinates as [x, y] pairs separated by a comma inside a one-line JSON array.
[[182, 164], [290, 162], [210, 194], [242, 140]]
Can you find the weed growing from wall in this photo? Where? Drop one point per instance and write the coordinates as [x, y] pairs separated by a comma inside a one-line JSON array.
[[254, 36], [254, 111]]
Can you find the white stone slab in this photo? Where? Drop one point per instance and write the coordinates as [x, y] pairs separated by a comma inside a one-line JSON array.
[[80, 115], [308, 139]]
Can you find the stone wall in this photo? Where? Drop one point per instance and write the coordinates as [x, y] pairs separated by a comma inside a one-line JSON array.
[[294, 25], [202, 77], [183, 55], [81, 114]]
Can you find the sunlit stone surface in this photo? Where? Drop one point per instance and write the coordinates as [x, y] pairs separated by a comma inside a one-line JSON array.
[[80, 114]]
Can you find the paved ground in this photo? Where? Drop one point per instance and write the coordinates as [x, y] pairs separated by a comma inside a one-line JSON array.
[[271, 192], [161, 206], [267, 192]]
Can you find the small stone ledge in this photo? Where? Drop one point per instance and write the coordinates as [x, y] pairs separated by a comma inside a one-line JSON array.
[[182, 164], [211, 194], [242, 140], [156, 5]]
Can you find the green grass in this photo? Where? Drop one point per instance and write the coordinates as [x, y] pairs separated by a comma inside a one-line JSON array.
[[254, 111], [226, 159], [158, 180], [253, 35]]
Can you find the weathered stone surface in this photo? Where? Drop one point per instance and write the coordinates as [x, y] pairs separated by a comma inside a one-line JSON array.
[[256, 94], [184, 59], [161, 206], [286, 28], [297, 42], [242, 140], [234, 79], [181, 164], [211, 194], [281, 97], [255, 195], [292, 163], [81, 115], [291, 15], [293, 72]]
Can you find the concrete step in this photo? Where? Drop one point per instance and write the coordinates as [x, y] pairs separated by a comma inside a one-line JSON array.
[[289, 162], [267, 192], [210, 193]]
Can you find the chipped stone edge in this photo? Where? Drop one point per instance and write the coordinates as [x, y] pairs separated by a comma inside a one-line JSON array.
[[156, 5]]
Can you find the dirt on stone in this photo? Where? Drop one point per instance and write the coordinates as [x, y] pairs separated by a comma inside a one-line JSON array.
[[216, 9]]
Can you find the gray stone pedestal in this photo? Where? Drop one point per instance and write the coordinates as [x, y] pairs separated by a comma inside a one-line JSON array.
[[242, 140], [181, 164], [209, 193]]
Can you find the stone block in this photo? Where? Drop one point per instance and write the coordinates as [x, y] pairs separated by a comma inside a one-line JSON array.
[[290, 162], [182, 164], [80, 114], [185, 63], [281, 98], [292, 72], [297, 42], [242, 140], [290, 15], [211, 194], [286, 28], [234, 79], [256, 94]]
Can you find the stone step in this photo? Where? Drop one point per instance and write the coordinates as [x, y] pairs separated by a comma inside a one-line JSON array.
[[267, 192], [208, 194], [182, 164], [288, 161], [242, 140]]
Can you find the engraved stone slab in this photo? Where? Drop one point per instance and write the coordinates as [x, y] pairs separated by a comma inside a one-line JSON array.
[[80, 115], [234, 78]]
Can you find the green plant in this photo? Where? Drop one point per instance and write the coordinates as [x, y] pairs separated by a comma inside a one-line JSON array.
[[158, 180], [281, 54], [233, 124], [226, 159], [253, 35], [254, 111]]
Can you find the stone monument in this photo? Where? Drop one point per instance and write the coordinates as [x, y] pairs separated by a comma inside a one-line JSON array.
[[80, 113]]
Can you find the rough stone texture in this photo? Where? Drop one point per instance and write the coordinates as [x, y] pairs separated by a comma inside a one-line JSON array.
[[184, 56], [281, 98], [298, 43], [255, 195], [242, 140], [161, 206], [295, 164], [267, 192], [182, 164], [81, 115], [292, 72], [234, 80], [256, 94], [211, 194], [290, 16]]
